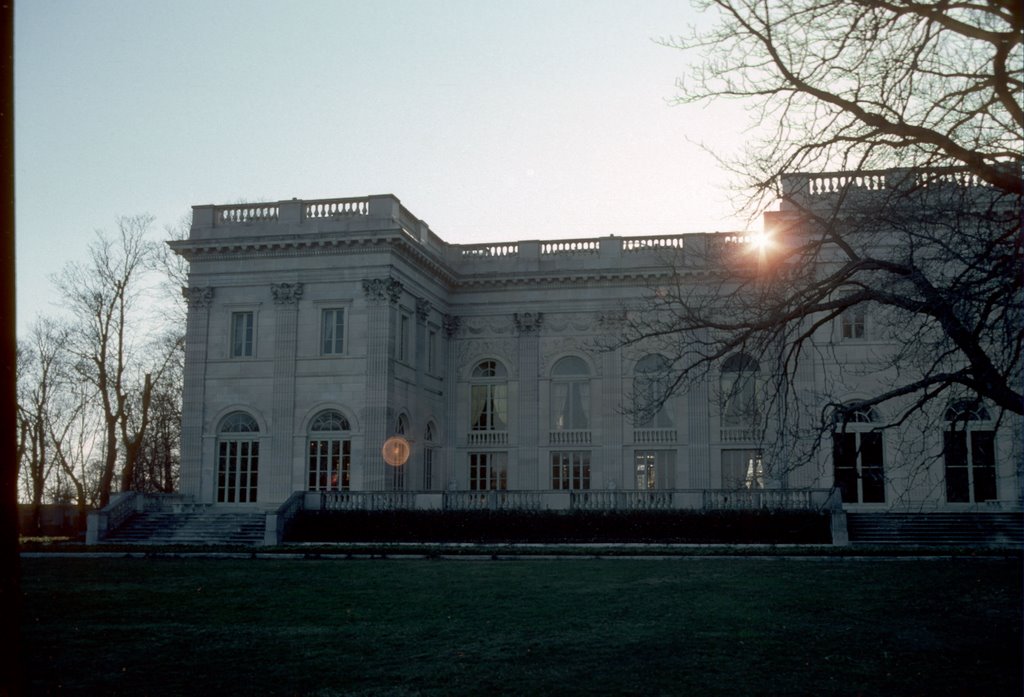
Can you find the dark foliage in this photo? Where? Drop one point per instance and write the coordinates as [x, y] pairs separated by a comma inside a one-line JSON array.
[[693, 527]]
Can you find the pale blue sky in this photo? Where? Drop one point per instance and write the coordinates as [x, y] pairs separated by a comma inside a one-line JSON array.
[[491, 120]]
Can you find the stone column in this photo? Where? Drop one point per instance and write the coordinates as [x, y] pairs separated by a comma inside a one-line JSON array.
[[381, 295], [451, 381], [193, 399], [698, 416], [414, 468], [276, 476], [528, 327], [615, 472]]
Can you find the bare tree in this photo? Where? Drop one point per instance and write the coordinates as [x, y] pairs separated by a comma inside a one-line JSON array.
[[103, 296], [39, 380], [909, 116]]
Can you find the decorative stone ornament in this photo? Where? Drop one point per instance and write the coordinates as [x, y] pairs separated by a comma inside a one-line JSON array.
[[286, 293], [451, 325], [382, 289], [528, 322], [422, 309], [198, 297]]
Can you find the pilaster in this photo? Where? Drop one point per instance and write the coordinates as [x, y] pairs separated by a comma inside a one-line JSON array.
[[528, 327], [276, 476], [381, 295], [451, 325], [193, 400]]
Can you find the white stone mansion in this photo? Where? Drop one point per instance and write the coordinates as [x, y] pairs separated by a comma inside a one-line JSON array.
[[319, 329]]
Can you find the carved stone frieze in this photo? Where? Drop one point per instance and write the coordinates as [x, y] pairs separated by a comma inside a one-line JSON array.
[[552, 348], [286, 293], [528, 322], [382, 289], [198, 297], [488, 326], [471, 350]]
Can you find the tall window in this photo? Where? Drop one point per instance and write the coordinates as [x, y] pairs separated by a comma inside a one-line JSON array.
[[739, 391], [238, 458], [432, 351], [489, 397], [852, 322], [969, 453], [570, 395], [488, 471], [649, 386], [857, 457], [429, 446], [654, 468], [330, 452], [332, 331], [396, 474], [403, 338], [242, 331], [742, 469], [570, 470]]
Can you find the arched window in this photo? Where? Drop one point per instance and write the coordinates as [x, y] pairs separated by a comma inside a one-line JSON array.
[[969, 452], [330, 452], [740, 406], [396, 474], [857, 456], [429, 446], [650, 382], [570, 395], [238, 458], [489, 397]]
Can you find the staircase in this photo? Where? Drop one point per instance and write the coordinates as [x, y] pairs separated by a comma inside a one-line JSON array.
[[193, 528], [947, 529]]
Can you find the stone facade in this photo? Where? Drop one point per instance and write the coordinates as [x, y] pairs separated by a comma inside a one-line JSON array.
[[318, 329]]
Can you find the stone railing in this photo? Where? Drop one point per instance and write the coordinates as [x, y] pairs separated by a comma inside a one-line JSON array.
[[646, 244], [815, 186], [569, 437], [774, 499], [367, 500], [585, 246], [245, 213], [737, 435], [643, 436], [495, 500], [122, 505], [336, 207], [487, 438], [489, 251], [277, 520]]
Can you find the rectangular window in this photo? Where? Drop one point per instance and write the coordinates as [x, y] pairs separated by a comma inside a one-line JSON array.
[[330, 463], [859, 468], [242, 329], [488, 471], [742, 469], [570, 470], [489, 408], [428, 469], [403, 338], [852, 322], [432, 351], [332, 332], [654, 469], [970, 471]]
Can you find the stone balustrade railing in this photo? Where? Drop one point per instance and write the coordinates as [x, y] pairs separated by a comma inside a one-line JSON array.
[[245, 213], [643, 436], [582, 246], [487, 438], [646, 244], [485, 251], [336, 207], [569, 437]]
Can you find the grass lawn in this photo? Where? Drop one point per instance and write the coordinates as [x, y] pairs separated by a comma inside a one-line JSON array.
[[587, 626]]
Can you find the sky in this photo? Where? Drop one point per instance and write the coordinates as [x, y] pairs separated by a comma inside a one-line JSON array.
[[490, 119]]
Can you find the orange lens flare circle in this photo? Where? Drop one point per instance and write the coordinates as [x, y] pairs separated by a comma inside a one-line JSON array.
[[395, 451]]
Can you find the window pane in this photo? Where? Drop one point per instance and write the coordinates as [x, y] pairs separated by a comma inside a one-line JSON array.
[[983, 462], [844, 459], [955, 454]]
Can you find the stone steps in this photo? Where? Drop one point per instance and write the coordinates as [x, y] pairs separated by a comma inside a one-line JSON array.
[[989, 529], [197, 528]]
